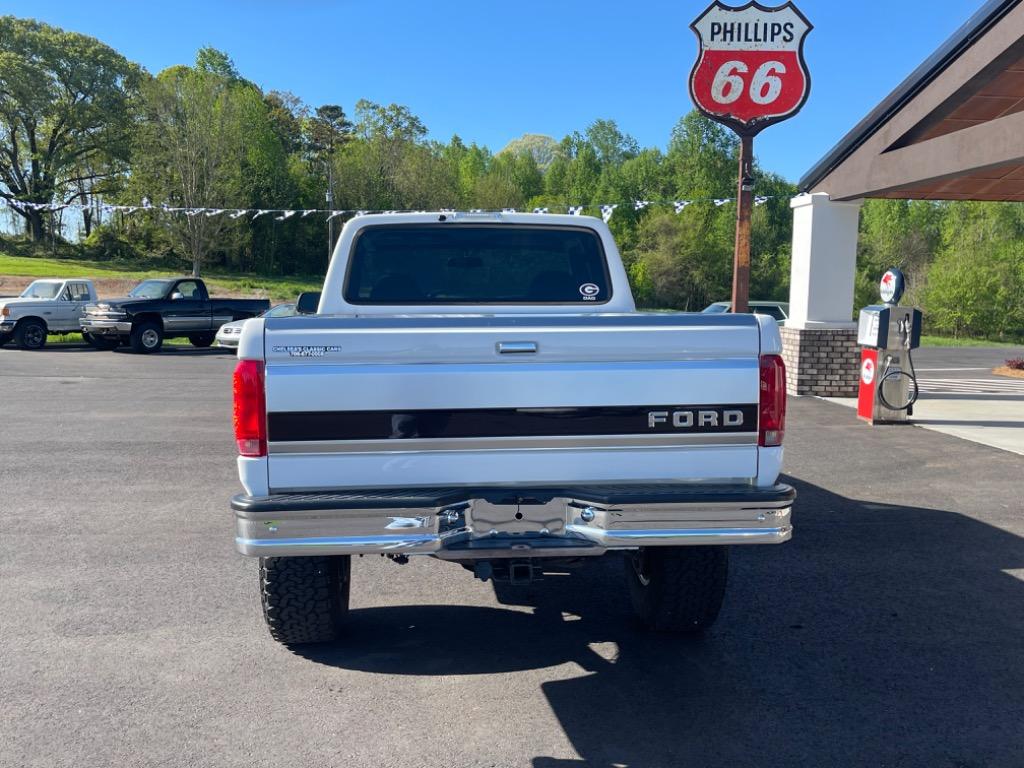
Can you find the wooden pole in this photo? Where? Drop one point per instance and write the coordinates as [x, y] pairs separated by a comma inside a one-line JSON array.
[[744, 203]]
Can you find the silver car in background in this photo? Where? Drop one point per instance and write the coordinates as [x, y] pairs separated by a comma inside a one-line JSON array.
[[777, 309], [230, 333]]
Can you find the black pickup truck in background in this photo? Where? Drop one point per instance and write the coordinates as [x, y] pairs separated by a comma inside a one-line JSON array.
[[165, 308]]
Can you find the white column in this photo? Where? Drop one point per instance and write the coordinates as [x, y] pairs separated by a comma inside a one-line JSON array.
[[824, 262]]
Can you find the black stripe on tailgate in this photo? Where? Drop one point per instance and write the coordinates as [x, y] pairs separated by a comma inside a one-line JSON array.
[[511, 422]]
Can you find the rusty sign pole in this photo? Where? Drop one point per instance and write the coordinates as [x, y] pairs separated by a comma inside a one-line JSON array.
[[744, 204]]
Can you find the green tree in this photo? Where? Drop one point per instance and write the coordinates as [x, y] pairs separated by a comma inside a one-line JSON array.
[[771, 234], [472, 167], [975, 287], [389, 165], [543, 148], [378, 171], [190, 151], [392, 122], [216, 62], [680, 263], [582, 171], [329, 128], [265, 177], [288, 115], [64, 114], [702, 158], [613, 147], [897, 233]]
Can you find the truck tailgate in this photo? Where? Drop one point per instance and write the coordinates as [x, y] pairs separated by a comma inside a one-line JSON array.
[[422, 401]]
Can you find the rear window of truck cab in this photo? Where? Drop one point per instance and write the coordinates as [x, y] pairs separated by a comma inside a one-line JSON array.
[[477, 264]]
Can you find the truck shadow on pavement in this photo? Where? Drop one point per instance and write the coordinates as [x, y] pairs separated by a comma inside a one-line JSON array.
[[881, 635], [183, 351], [170, 349]]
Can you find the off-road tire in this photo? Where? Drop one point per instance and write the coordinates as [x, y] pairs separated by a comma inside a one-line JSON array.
[[305, 599], [30, 334], [201, 340], [677, 589], [143, 335]]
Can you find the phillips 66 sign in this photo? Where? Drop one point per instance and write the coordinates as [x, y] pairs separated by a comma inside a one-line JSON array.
[[750, 69]]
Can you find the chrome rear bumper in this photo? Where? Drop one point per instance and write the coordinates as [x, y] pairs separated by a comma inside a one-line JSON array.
[[467, 524]]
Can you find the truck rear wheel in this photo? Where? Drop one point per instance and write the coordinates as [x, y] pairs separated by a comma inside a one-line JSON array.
[[305, 599], [30, 334], [677, 589], [147, 337]]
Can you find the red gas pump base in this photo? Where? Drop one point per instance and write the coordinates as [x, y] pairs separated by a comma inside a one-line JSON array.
[[869, 407], [866, 388]]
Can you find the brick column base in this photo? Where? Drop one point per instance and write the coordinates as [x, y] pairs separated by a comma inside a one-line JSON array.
[[823, 361]]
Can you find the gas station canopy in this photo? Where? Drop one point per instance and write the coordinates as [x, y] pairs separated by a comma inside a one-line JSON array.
[[953, 130]]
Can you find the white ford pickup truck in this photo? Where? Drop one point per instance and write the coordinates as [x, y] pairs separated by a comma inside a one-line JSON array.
[[45, 307], [480, 388]]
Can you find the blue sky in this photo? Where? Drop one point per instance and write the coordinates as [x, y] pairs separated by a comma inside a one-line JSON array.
[[491, 71]]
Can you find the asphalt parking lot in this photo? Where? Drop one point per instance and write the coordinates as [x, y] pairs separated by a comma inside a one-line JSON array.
[[889, 632]]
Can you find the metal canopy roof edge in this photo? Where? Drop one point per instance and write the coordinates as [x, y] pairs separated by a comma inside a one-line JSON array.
[[976, 26]]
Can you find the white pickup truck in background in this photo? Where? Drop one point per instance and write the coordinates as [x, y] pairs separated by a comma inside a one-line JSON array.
[[45, 307], [480, 388]]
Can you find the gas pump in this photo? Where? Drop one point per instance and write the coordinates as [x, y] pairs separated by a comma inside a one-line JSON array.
[[888, 332]]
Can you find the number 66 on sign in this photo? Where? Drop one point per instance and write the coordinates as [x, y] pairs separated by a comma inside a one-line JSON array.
[[750, 71]]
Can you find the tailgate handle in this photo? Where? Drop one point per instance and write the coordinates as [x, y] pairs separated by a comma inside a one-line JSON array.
[[517, 347]]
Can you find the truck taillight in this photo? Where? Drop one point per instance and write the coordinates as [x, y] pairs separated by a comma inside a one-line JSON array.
[[250, 408], [771, 422]]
